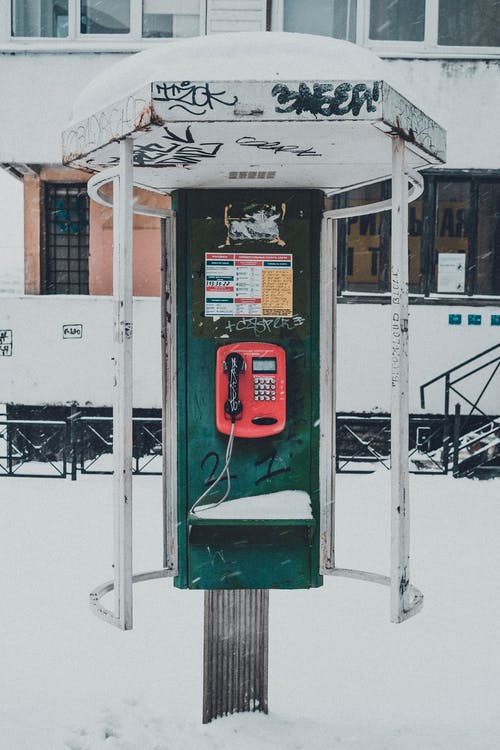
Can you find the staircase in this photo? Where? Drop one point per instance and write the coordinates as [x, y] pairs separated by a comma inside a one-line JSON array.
[[466, 448], [473, 450]]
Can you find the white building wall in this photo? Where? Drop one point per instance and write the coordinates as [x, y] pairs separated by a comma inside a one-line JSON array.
[[462, 96], [11, 235], [46, 368]]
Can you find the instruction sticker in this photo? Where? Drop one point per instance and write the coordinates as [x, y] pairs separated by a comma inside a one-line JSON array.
[[258, 285]]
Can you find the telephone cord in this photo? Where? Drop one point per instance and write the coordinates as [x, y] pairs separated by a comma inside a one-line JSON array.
[[225, 470]]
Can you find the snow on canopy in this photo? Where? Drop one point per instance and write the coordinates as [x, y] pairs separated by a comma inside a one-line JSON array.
[[242, 56]]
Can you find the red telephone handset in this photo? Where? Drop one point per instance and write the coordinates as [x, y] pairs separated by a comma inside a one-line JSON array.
[[250, 389]]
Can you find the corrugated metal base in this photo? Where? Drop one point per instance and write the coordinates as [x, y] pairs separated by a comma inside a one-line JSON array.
[[235, 655]]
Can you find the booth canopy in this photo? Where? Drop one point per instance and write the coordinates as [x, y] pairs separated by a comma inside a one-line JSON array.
[[250, 110]]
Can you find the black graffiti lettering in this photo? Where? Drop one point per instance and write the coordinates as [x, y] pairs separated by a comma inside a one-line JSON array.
[[214, 471], [175, 150], [270, 472], [193, 98], [276, 146], [325, 100]]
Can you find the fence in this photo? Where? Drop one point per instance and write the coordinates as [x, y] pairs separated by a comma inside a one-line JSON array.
[[79, 444], [83, 444]]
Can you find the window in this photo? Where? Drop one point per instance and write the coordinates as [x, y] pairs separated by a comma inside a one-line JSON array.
[[431, 25], [336, 18], [488, 238], [464, 23], [111, 17], [66, 239], [397, 20], [103, 19], [47, 18], [438, 27], [452, 236], [367, 243], [453, 239]]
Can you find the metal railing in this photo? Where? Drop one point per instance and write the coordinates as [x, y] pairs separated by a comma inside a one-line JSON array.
[[94, 445], [33, 448], [79, 444], [363, 441], [455, 427]]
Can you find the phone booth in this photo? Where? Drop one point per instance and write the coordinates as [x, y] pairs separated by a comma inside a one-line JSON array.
[[248, 154], [248, 388]]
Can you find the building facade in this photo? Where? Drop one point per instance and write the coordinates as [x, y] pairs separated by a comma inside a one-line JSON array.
[[446, 56]]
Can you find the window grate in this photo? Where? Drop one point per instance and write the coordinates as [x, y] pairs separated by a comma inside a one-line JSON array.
[[66, 239]]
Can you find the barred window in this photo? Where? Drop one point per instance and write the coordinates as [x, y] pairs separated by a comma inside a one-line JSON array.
[[66, 239]]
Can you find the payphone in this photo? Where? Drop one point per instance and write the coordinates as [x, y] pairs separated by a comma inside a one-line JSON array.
[[250, 389], [250, 400]]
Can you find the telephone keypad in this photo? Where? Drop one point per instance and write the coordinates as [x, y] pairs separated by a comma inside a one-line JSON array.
[[264, 389]]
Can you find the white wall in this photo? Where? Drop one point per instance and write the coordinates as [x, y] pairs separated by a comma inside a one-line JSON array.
[[11, 235], [37, 92], [462, 95], [364, 355], [46, 369]]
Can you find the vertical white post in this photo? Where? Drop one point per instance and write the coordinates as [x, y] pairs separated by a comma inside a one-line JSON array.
[[400, 532], [169, 372], [122, 402], [328, 342]]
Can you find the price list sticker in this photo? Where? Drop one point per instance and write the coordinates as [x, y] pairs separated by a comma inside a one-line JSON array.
[[255, 285]]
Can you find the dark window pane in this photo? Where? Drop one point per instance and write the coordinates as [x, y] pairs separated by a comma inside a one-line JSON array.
[[66, 236], [367, 252], [415, 223], [40, 18], [110, 17], [488, 239], [462, 22], [452, 236], [397, 20], [157, 25], [336, 18]]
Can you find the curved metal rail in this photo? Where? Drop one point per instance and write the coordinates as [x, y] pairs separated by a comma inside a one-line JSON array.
[[96, 594], [415, 596], [100, 179]]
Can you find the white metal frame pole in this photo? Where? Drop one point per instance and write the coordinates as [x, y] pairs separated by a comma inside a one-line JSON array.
[[122, 402], [327, 391], [400, 532]]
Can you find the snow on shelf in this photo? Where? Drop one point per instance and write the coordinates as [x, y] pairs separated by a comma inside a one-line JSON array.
[[287, 504]]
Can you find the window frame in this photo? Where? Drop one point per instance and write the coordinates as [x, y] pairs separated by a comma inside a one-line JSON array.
[[49, 260], [428, 253], [77, 39], [429, 47]]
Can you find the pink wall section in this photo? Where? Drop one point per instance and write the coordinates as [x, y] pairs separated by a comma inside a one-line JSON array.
[[147, 249]]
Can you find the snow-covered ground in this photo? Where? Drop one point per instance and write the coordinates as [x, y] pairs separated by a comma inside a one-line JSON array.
[[341, 675]]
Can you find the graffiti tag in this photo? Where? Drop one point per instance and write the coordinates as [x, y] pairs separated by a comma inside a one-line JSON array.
[[191, 97], [175, 150], [260, 326], [327, 100], [276, 146], [6, 342]]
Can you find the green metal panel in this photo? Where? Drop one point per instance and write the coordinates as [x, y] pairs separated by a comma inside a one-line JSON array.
[[257, 553]]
